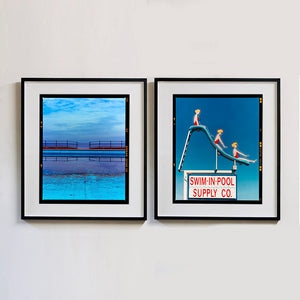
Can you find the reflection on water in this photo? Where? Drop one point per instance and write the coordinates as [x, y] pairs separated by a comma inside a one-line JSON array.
[[83, 165], [83, 178]]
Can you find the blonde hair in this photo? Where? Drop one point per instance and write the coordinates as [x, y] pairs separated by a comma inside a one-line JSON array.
[[220, 131], [197, 111], [234, 144]]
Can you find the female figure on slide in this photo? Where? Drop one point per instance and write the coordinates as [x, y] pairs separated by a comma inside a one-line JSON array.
[[196, 117], [236, 153], [218, 139]]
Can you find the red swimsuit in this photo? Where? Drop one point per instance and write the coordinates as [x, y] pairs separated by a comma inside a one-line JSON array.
[[235, 154]]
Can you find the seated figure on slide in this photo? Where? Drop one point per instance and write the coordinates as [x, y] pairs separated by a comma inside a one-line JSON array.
[[236, 153], [218, 139]]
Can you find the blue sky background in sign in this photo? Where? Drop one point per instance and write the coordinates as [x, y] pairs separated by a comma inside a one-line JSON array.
[[239, 118], [84, 119]]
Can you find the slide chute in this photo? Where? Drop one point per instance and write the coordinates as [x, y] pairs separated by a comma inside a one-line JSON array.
[[199, 128]]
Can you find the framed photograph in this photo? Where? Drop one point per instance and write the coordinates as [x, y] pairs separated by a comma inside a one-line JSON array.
[[217, 148], [84, 148]]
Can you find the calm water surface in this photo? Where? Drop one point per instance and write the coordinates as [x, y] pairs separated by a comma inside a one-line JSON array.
[[83, 178]]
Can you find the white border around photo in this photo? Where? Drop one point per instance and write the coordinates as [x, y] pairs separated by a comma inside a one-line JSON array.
[[32, 88], [165, 88]]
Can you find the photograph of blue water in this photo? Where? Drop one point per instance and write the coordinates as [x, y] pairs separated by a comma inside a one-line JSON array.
[[84, 143]]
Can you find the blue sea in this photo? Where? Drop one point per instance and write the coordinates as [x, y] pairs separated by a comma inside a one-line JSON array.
[[84, 175]]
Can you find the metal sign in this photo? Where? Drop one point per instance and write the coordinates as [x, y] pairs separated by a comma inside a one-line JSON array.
[[211, 186]]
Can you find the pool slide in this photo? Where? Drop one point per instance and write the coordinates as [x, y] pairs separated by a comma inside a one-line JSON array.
[[199, 128]]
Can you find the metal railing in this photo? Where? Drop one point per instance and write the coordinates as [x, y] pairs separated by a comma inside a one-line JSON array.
[[58, 144], [107, 145], [60, 158], [107, 159], [47, 144], [91, 159]]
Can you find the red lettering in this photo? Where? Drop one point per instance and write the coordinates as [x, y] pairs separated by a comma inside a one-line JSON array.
[[215, 190], [198, 180], [199, 194], [194, 193], [228, 193], [211, 193], [229, 181]]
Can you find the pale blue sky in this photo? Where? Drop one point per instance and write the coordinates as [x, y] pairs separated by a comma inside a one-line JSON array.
[[84, 119]]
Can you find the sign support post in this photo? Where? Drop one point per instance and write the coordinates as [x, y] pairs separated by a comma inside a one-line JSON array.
[[185, 183]]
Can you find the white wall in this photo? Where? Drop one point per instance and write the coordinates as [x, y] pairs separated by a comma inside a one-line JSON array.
[[151, 260]]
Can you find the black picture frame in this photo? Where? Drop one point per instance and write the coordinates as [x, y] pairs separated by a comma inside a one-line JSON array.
[[134, 90], [174, 87]]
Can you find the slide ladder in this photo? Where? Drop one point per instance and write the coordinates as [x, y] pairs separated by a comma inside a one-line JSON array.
[[184, 150], [199, 128]]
